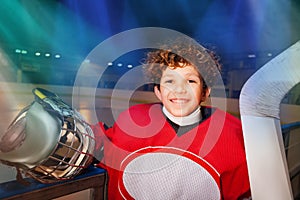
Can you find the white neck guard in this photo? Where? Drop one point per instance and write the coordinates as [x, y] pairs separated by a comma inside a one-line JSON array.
[[192, 118]]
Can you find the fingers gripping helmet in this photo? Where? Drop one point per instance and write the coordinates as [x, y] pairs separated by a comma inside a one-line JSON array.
[[48, 140]]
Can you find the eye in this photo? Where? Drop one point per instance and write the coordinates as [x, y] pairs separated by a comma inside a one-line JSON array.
[[192, 81], [169, 81]]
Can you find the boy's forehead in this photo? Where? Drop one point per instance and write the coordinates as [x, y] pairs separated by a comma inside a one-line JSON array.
[[187, 70]]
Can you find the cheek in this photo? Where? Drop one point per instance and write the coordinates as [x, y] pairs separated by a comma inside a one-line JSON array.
[[166, 90], [199, 96], [165, 94], [162, 93], [197, 92]]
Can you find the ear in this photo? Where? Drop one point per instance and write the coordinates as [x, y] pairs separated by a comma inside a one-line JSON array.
[[157, 92], [205, 94]]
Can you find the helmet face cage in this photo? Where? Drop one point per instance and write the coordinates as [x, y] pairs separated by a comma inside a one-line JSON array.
[[73, 152], [73, 149]]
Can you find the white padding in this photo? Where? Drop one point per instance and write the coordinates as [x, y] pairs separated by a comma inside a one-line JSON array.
[[263, 92], [267, 166], [260, 107]]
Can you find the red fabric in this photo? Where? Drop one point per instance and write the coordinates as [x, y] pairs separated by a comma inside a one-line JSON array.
[[217, 139]]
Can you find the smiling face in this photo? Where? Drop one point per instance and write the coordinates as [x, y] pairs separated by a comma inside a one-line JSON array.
[[181, 90]]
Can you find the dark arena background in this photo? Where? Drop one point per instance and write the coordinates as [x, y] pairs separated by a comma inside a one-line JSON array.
[[45, 43]]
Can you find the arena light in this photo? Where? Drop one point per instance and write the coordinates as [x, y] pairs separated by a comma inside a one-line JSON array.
[[17, 50], [24, 52], [21, 51], [129, 66]]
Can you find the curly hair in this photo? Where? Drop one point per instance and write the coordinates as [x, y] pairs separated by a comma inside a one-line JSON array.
[[180, 53]]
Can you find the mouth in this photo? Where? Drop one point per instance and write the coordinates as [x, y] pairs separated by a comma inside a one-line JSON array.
[[179, 101]]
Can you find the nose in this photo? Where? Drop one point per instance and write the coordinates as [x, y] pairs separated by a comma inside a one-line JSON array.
[[180, 88]]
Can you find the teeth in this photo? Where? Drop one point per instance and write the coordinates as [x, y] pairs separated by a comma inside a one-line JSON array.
[[179, 100]]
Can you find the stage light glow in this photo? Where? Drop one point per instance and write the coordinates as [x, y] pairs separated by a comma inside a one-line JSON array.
[[18, 51]]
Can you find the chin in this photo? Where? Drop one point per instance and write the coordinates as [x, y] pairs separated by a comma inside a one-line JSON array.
[[177, 114]]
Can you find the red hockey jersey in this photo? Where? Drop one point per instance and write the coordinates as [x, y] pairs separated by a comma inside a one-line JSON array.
[[147, 157]]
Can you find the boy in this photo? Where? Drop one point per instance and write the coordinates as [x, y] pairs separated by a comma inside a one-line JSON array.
[[176, 149]]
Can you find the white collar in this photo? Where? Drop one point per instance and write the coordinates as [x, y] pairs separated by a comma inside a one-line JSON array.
[[192, 118]]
